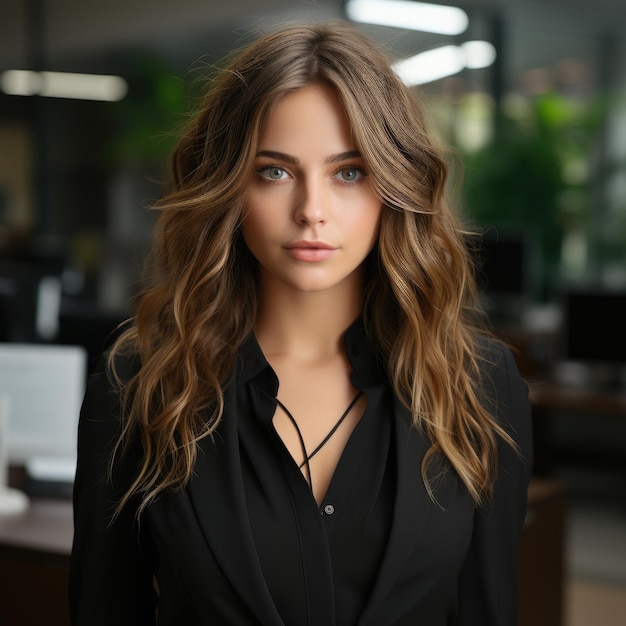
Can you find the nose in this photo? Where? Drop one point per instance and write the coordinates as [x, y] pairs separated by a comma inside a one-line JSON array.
[[311, 203]]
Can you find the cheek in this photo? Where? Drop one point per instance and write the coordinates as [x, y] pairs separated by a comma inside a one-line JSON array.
[[368, 226], [262, 210], [259, 229], [368, 209], [252, 218], [252, 234]]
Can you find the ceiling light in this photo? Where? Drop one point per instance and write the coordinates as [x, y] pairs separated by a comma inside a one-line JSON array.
[[445, 61], [63, 85], [478, 54], [431, 18]]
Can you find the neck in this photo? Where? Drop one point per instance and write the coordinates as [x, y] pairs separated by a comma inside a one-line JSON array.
[[308, 326]]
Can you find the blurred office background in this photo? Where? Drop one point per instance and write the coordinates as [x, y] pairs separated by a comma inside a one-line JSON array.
[[531, 95]]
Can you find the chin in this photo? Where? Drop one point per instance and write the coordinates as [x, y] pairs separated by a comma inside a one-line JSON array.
[[320, 284], [312, 287]]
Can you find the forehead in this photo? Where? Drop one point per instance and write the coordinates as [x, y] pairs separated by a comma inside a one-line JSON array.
[[313, 112]]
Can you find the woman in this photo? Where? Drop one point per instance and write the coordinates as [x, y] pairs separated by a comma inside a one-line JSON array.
[[303, 425]]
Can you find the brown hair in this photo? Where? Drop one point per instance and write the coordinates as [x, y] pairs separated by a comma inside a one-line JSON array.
[[201, 303]]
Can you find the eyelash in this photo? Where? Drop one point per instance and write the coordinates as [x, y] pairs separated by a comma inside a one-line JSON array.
[[360, 171]]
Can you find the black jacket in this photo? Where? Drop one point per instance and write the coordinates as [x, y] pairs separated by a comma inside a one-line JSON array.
[[209, 569]]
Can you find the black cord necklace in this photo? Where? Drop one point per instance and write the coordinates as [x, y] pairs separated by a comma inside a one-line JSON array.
[[333, 430]]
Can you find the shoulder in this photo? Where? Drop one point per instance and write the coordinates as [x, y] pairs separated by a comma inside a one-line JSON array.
[[100, 430], [493, 354], [101, 414], [498, 369], [504, 390], [110, 375]]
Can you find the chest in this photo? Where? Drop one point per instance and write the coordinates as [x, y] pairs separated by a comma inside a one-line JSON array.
[[317, 411], [248, 532]]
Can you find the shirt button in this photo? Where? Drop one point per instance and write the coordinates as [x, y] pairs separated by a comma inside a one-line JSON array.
[[329, 509]]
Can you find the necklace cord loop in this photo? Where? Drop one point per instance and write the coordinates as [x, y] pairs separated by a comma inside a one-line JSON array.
[[333, 430]]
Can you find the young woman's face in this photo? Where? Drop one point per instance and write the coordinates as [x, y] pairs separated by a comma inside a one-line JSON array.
[[312, 214]]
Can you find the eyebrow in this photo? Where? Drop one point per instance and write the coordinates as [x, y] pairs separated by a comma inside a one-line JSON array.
[[288, 158]]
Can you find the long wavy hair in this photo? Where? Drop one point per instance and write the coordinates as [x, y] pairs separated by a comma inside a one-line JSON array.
[[201, 299]]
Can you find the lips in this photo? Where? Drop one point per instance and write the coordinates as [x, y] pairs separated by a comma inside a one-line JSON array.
[[311, 251]]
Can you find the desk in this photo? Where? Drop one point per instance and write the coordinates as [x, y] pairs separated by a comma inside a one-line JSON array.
[[537, 356], [34, 562], [548, 395], [600, 450]]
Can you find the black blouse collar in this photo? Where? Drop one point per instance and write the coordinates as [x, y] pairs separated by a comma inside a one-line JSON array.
[[253, 364], [367, 370]]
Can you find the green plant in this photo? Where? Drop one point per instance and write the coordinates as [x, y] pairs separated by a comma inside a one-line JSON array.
[[536, 174], [146, 120]]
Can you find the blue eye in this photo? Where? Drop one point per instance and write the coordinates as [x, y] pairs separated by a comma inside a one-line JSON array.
[[350, 174], [272, 172]]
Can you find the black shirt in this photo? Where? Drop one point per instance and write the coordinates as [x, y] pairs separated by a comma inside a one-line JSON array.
[[318, 560], [244, 543]]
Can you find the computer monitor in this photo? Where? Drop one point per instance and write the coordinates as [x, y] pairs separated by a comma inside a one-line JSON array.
[[504, 264], [505, 273], [44, 385], [594, 333], [30, 293], [595, 326]]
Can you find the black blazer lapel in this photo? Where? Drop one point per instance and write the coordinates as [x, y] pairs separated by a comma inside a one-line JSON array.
[[411, 511], [218, 497]]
